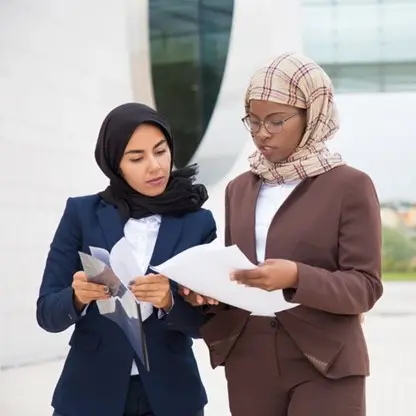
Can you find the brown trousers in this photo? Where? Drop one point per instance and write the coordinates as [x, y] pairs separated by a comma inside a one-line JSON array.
[[269, 376]]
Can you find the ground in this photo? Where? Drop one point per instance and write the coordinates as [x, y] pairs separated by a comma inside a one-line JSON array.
[[391, 336]]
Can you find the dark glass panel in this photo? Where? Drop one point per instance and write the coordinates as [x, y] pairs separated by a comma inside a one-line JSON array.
[[189, 47]]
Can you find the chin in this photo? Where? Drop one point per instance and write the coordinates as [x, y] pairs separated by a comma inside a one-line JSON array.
[[155, 191]]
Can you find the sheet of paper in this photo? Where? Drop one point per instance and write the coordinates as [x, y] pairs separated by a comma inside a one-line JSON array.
[[121, 308], [126, 267], [206, 270], [101, 254]]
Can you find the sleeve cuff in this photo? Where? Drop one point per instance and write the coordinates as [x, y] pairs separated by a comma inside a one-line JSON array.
[[84, 311], [161, 313], [68, 302]]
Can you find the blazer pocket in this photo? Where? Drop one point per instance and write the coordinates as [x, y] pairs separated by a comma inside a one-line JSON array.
[[87, 341]]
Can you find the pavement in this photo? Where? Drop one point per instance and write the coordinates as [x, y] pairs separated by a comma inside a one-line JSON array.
[[391, 335]]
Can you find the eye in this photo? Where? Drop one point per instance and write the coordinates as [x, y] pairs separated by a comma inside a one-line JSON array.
[[276, 122], [139, 159], [161, 152]]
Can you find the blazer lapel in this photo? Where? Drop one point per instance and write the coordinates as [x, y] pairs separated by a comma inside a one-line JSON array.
[[169, 233], [244, 213], [111, 224]]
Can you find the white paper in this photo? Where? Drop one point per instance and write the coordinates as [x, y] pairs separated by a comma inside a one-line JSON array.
[[126, 267], [121, 307], [206, 269], [123, 263]]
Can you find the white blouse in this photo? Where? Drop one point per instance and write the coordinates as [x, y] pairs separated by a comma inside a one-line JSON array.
[[142, 234], [269, 201]]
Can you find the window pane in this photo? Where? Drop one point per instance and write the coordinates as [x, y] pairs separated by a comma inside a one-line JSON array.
[[365, 45], [189, 46]]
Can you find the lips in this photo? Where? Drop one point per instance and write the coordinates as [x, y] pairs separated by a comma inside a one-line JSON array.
[[156, 181], [266, 149]]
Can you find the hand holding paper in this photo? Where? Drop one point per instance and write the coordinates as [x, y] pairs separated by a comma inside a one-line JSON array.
[[154, 289], [273, 274], [195, 299], [206, 270], [86, 292], [113, 271]]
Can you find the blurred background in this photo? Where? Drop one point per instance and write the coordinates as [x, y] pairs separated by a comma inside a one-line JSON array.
[[65, 64]]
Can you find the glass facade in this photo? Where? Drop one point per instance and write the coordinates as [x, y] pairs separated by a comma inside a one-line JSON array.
[[364, 45], [189, 46]]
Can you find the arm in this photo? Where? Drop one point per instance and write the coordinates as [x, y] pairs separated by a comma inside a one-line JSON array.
[[356, 286], [184, 317], [55, 306]]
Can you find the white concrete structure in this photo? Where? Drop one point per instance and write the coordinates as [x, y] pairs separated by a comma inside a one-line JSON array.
[[64, 65]]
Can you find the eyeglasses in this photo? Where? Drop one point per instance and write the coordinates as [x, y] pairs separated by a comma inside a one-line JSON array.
[[272, 125]]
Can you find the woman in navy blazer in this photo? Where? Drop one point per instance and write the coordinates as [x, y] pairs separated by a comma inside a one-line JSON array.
[[158, 211]]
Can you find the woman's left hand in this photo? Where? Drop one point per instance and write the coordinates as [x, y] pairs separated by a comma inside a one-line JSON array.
[[153, 288], [271, 275]]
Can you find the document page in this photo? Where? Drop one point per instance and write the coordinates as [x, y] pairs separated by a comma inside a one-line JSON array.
[[206, 269], [122, 307]]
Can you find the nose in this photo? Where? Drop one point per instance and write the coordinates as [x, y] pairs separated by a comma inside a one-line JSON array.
[[153, 164], [263, 134]]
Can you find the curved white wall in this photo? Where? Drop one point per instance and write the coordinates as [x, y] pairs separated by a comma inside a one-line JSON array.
[[257, 36], [64, 65]]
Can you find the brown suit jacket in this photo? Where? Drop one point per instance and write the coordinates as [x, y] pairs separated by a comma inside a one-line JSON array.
[[330, 226]]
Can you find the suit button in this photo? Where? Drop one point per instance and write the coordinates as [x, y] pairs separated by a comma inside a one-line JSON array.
[[273, 323]]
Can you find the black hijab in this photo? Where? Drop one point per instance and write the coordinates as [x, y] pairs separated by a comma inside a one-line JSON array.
[[180, 196]]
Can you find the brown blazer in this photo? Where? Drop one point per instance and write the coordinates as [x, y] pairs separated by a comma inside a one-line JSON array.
[[330, 225]]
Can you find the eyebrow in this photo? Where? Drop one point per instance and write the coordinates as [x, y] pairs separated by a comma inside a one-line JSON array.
[[271, 114], [140, 151]]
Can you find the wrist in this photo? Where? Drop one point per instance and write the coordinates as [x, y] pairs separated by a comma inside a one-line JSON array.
[[79, 305], [168, 304], [294, 275]]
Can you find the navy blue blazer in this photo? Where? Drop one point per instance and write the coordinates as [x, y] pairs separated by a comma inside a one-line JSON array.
[[96, 374]]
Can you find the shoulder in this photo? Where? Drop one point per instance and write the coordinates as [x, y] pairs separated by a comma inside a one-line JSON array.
[[78, 208], [346, 178], [242, 181], [353, 188], [93, 199], [202, 216], [201, 225], [85, 201]]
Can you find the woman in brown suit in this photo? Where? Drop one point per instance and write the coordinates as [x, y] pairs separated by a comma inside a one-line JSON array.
[[312, 224]]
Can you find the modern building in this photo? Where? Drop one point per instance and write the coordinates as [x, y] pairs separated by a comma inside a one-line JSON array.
[[364, 45], [64, 65]]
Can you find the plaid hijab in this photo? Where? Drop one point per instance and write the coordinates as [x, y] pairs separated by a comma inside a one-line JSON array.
[[295, 80]]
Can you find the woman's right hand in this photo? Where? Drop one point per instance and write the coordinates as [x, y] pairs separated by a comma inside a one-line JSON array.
[[195, 299], [86, 292]]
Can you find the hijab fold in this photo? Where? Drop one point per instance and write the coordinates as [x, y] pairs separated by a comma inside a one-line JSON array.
[[181, 195], [295, 80]]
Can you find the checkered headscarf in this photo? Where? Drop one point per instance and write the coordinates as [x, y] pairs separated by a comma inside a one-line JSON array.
[[295, 80]]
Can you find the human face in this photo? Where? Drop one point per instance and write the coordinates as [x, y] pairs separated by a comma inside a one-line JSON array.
[[286, 123], [146, 162]]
